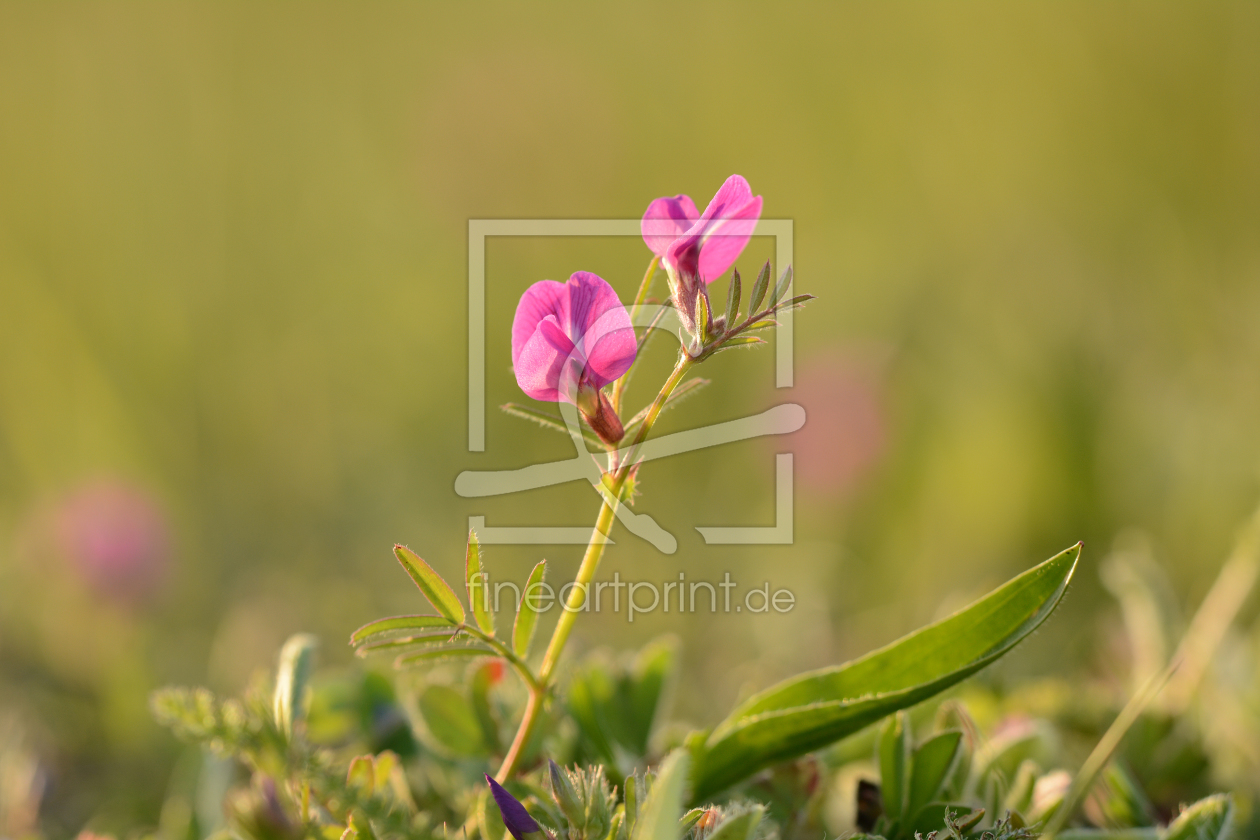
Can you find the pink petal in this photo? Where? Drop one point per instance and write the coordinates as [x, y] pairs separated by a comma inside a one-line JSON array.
[[726, 239], [731, 197], [564, 333], [612, 345], [665, 220], [546, 297], [541, 362]]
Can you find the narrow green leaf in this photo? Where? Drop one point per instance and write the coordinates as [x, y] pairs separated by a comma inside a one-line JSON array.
[[437, 591], [930, 768], [406, 643], [894, 765], [297, 658], [781, 288], [547, 420], [651, 677], [398, 624], [818, 708], [759, 289], [703, 318], [732, 299], [659, 817], [477, 583], [526, 615], [794, 303], [450, 721]]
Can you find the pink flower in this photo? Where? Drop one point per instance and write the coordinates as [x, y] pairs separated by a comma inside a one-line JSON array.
[[708, 243], [571, 339], [117, 538], [697, 248]]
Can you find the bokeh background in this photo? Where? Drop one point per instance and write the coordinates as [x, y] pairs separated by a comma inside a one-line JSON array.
[[233, 263]]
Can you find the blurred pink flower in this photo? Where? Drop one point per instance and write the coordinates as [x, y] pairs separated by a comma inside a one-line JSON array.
[[704, 244], [570, 339], [117, 539], [846, 430]]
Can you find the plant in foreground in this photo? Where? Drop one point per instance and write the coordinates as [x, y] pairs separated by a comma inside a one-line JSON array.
[[766, 768]]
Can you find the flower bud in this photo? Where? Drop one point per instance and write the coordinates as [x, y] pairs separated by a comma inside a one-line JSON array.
[[599, 413]]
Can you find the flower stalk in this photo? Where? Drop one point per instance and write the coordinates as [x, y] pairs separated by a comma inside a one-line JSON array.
[[586, 572]]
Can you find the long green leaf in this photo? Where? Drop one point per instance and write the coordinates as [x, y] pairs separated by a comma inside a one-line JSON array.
[[663, 808], [436, 590], [547, 420], [818, 708], [476, 583], [526, 615], [398, 624]]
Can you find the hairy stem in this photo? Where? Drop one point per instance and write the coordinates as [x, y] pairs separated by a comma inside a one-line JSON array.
[[586, 573]]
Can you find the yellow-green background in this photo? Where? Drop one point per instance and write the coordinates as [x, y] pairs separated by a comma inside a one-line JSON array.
[[233, 266]]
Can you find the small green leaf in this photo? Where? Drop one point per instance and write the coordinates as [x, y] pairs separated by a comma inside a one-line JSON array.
[[362, 776], [732, 299], [813, 710], [794, 303], [759, 289], [703, 320], [398, 624], [781, 288], [566, 797], [440, 654], [431, 585], [894, 765], [482, 679], [405, 643], [477, 583], [490, 818], [296, 661], [450, 721], [930, 768], [740, 827], [659, 817], [526, 615], [1213, 818]]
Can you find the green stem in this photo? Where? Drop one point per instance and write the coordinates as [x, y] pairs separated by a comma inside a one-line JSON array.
[[586, 573]]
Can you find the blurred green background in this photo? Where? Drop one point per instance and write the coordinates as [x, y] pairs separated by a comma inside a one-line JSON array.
[[233, 263]]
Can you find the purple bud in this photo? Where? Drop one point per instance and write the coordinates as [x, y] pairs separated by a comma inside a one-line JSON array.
[[518, 821]]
